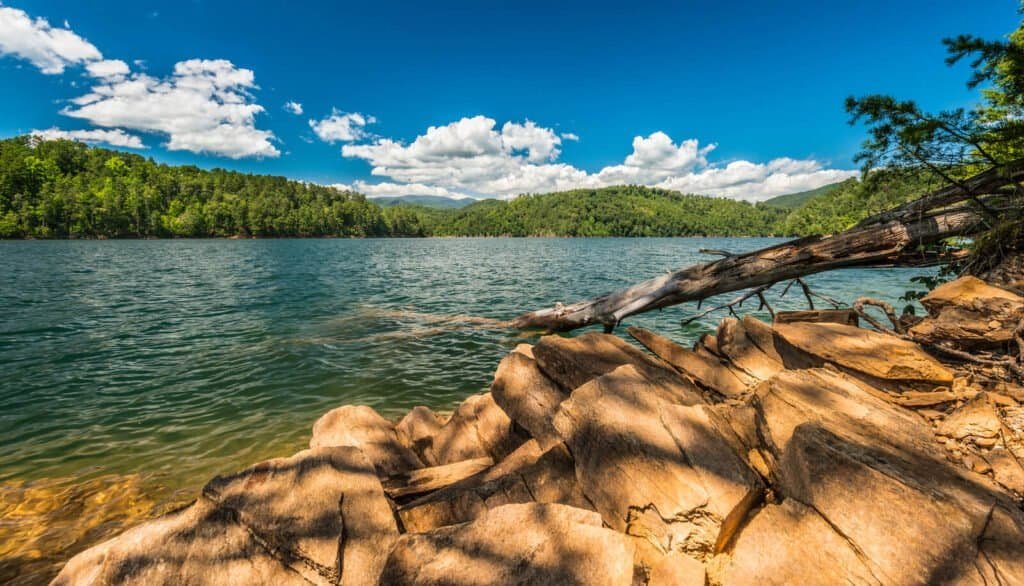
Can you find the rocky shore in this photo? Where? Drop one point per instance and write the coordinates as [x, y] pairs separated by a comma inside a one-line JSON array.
[[807, 452]]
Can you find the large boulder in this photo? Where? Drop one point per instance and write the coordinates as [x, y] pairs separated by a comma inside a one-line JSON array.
[[538, 544], [971, 313], [868, 352], [200, 545], [572, 362], [323, 510], [656, 463], [361, 427], [527, 475], [704, 368], [318, 517], [528, 396], [875, 474], [478, 428]]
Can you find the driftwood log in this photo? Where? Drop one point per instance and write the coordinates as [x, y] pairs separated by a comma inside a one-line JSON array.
[[891, 238]]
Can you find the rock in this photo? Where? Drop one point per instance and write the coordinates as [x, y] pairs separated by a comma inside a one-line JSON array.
[[527, 396], [975, 418], [524, 349], [915, 519], [762, 335], [1007, 469], [316, 517], [291, 505], [740, 349], [969, 292], [417, 430], [677, 569], [970, 313], [361, 427], [426, 480], [924, 399], [875, 354], [199, 545], [704, 368], [791, 544], [528, 475], [543, 544], [656, 467], [571, 362], [479, 428], [836, 316]]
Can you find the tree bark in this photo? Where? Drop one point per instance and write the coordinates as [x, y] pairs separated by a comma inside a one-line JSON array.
[[876, 244]]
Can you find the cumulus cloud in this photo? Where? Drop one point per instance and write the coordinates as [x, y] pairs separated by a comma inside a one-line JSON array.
[[48, 48], [117, 137], [108, 69], [341, 126], [205, 106], [472, 156], [293, 108]]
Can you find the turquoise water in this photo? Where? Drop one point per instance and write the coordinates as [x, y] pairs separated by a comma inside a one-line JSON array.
[[191, 357]]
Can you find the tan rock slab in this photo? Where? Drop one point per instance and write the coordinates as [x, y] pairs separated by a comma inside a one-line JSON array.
[[528, 396], [425, 480], [478, 428], [199, 545], [967, 292], [361, 427], [836, 316], [537, 544], [762, 335], [309, 507], [703, 367], [791, 544], [571, 362], [677, 569], [975, 418], [417, 429], [525, 476], [866, 351], [740, 349], [971, 313], [655, 468]]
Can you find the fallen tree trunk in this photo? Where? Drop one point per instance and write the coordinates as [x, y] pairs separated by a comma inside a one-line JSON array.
[[870, 245]]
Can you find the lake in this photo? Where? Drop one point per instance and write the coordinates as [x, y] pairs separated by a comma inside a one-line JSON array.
[[132, 371]]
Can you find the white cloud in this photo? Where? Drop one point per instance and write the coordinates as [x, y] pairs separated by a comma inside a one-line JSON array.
[[48, 48], [570, 136], [108, 69], [471, 156], [293, 107], [205, 106], [341, 126], [115, 137]]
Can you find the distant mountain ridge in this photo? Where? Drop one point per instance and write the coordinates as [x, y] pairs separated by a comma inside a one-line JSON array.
[[427, 201]]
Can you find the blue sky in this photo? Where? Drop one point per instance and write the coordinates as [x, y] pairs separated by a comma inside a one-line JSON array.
[[740, 99]]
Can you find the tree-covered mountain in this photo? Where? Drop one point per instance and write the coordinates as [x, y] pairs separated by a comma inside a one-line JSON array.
[[63, 189], [791, 201], [428, 201]]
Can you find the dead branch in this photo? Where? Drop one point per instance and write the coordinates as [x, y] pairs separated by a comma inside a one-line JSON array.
[[858, 307]]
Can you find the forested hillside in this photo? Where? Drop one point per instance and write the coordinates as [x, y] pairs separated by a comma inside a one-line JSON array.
[[62, 189]]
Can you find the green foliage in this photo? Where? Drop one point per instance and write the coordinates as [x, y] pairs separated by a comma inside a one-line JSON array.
[[852, 201], [611, 211], [62, 189], [791, 201]]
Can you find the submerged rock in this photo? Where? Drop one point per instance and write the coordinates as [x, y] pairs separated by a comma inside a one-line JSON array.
[[515, 544]]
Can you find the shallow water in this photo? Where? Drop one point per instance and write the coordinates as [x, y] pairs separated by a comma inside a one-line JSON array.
[[162, 363]]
